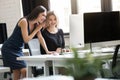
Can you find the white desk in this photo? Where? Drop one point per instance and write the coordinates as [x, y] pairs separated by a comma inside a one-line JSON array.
[[60, 77], [26, 52], [58, 60], [38, 60]]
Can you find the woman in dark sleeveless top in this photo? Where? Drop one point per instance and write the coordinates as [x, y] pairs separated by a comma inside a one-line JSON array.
[[26, 28]]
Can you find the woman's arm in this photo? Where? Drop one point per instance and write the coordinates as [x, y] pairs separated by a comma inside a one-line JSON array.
[[24, 29], [43, 43]]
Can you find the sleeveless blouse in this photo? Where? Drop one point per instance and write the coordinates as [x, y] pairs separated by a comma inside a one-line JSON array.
[[12, 48]]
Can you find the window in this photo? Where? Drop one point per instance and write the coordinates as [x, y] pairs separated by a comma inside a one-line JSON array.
[[63, 9], [115, 5], [89, 6]]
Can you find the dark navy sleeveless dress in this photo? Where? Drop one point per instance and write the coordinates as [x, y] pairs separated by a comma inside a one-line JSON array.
[[12, 48]]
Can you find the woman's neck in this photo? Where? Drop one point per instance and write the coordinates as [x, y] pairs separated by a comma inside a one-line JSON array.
[[52, 29], [32, 23]]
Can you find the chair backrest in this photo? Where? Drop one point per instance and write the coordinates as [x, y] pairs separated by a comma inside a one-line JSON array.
[[116, 62], [34, 47]]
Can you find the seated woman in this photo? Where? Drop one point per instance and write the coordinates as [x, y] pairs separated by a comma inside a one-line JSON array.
[[53, 36]]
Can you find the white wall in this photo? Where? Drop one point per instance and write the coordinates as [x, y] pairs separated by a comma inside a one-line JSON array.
[[10, 13]]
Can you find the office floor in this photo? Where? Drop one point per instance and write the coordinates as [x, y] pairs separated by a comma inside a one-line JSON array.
[[106, 72]]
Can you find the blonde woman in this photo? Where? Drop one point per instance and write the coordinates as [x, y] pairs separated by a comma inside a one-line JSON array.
[[52, 34]]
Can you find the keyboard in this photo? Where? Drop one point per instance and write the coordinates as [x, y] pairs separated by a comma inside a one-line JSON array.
[[108, 50], [83, 51], [102, 50]]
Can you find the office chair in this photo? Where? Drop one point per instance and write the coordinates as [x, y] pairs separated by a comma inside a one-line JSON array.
[[116, 63], [7, 72], [34, 48]]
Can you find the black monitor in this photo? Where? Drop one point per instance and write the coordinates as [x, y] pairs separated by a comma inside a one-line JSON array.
[[101, 26], [3, 33]]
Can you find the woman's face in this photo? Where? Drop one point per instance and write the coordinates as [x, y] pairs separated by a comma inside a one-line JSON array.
[[52, 20], [41, 18]]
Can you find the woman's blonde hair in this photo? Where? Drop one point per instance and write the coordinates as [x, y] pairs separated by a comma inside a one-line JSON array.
[[50, 13]]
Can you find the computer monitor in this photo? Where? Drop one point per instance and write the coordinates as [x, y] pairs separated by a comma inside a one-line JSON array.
[[101, 27], [3, 33], [76, 31]]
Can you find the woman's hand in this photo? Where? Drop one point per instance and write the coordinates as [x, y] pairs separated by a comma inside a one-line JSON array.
[[38, 27], [49, 52], [66, 50], [52, 53], [58, 50]]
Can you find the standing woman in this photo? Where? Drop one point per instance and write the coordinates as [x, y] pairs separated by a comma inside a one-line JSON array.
[[26, 28]]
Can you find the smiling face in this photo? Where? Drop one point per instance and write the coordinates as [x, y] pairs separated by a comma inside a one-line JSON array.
[[41, 17], [52, 20]]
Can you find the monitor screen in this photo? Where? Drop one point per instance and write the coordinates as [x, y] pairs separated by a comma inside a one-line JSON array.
[[3, 33], [101, 26], [76, 31]]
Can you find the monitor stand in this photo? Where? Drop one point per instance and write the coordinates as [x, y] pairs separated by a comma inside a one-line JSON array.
[[91, 50]]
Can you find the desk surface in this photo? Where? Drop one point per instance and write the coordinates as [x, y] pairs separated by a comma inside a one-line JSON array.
[[59, 77], [58, 60], [61, 57]]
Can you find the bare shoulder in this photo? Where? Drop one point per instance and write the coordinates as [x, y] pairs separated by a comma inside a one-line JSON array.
[[22, 22]]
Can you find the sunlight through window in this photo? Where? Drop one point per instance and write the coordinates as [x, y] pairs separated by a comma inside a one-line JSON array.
[[89, 6], [63, 10], [115, 5]]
